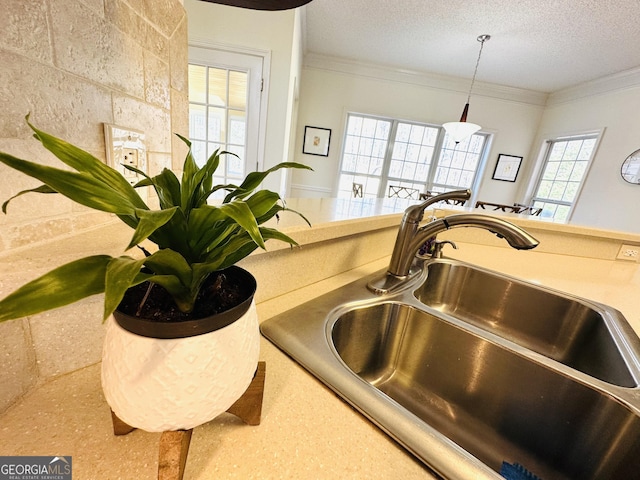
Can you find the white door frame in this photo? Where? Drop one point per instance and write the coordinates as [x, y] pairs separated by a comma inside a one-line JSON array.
[[258, 64]]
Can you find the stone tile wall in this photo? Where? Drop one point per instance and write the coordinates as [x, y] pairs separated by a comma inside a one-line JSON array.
[[75, 65]]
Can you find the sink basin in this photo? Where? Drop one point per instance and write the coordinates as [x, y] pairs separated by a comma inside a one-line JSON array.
[[492, 402], [572, 331], [464, 393]]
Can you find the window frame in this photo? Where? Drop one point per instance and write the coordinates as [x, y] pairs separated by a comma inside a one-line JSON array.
[[257, 64], [438, 148], [545, 150]]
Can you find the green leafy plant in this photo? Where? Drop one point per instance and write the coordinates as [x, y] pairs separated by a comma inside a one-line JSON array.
[[194, 238]]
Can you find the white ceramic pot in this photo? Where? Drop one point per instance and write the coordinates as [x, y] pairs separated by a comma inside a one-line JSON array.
[[159, 385]]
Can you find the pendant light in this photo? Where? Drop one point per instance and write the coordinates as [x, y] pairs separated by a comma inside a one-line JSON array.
[[262, 4], [461, 130]]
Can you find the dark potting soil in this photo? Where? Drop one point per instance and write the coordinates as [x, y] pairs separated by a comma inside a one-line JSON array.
[[218, 294]]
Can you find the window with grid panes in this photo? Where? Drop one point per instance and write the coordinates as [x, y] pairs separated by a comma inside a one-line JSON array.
[[217, 118], [458, 164], [390, 157], [566, 163]]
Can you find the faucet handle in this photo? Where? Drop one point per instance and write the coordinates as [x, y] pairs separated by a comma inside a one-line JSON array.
[[438, 245]]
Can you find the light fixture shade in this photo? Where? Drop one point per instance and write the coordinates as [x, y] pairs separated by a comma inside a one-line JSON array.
[[459, 131], [462, 130]]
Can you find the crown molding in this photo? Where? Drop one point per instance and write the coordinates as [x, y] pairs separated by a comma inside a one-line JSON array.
[[431, 80], [611, 83], [600, 86]]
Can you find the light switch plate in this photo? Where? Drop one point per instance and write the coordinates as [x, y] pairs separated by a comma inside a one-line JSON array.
[[126, 146]]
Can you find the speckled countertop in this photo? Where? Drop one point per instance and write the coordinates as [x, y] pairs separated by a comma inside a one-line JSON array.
[[307, 432]]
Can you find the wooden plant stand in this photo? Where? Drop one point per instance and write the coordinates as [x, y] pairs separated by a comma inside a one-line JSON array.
[[174, 445]]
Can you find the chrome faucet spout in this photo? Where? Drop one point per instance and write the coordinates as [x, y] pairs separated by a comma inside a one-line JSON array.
[[411, 222], [414, 213], [399, 272], [514, 235], [411, 237]]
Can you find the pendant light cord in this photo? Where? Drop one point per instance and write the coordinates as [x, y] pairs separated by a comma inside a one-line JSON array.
[[481, 39]]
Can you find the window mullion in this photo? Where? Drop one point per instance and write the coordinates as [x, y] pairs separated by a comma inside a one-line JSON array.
[[227, 116], [437, 154], [386, 164], [550, 144], [206, 109]]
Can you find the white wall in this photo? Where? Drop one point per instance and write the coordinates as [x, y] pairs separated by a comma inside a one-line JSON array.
[[259, 30], [292, 101], [519, 121], [606, 201], [326, 95]]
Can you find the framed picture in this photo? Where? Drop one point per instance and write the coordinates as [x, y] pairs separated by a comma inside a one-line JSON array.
[[507, 168], [316, 141]]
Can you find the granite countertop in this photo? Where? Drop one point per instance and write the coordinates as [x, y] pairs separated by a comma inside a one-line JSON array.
[[306, 430]]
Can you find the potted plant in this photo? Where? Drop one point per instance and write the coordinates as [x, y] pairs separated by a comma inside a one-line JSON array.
[[182, 343]]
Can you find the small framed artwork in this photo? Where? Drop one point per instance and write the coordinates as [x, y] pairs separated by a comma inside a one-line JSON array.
[[316, 141], [507, 168]]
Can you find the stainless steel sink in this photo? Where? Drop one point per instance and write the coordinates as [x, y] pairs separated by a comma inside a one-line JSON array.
[[463, 392], [578, 333], [494, 403]]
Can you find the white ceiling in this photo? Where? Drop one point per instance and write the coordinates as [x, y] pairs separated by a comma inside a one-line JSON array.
[[540, 45]]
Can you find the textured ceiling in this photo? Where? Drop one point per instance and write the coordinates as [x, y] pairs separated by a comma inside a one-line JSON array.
[[541, 45]]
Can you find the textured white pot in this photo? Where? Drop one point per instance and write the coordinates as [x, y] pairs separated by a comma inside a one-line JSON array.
[[159, 385]]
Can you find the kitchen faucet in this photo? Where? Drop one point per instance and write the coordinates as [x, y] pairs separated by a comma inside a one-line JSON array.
[[411, 238], [411, 222]]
